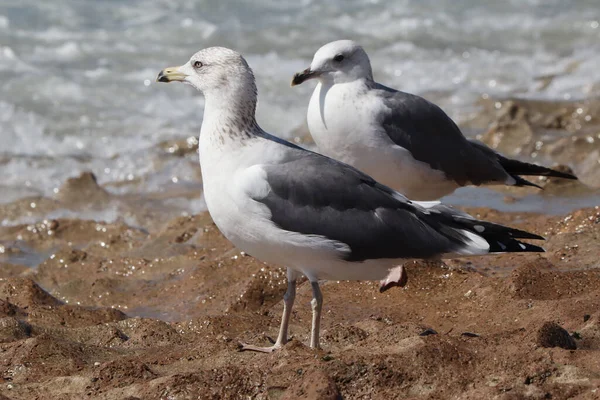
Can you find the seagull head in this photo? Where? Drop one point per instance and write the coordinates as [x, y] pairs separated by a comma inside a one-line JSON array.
[[214, 70], [337, 62]]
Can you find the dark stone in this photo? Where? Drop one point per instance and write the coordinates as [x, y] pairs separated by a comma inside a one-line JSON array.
[[553, 335], [428, 332], [586, 317]]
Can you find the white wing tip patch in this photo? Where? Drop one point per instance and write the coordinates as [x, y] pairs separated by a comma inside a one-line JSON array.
[[428, 204], [475, 244], [479, 228]]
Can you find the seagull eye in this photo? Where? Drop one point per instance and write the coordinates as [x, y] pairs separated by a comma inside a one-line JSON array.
[[338, 58], [197, 64]]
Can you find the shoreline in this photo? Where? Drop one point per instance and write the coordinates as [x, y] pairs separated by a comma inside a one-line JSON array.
[[136, 295], [198, 296]]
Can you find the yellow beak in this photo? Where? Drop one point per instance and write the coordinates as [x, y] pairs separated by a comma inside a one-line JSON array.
[[171, 74]]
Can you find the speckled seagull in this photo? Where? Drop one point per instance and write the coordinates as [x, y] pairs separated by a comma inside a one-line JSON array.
[[400, 139], [317, 216]]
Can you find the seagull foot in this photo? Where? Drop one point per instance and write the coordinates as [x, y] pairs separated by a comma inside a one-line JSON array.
[[250, 347], [396, 277]]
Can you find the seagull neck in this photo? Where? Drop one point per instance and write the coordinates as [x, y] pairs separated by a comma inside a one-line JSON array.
[[366, 81], [229, 120]]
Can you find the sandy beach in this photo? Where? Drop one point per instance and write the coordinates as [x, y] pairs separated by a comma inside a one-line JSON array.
[[115, 310]]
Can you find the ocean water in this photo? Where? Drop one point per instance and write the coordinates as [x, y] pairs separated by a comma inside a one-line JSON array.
[[77, 91]]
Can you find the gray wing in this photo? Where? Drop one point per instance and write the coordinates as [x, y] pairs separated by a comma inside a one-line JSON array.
[[312, 194], [432, 137]]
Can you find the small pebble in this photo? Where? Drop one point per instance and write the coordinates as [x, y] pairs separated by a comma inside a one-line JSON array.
[[586, 317], [428, 332]]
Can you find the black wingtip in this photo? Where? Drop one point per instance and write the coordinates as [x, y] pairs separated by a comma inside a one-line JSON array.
[[520, 234], [489, 229], [559, 174], [550, 173], [520, 182], [513, 246], [516, 167]]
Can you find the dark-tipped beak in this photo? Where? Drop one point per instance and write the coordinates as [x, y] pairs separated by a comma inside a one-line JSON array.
[[303, 76], [170, 74]]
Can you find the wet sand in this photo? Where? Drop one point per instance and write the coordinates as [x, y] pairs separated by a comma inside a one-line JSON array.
[[152, 306]]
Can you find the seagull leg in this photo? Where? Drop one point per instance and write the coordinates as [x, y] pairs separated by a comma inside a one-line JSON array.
[[316, 304], [288, 303]]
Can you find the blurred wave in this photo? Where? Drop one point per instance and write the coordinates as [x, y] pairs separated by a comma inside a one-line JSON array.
[[78, 89]]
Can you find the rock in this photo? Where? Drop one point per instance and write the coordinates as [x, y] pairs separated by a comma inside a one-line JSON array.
[[553, 335], [23, 292], [83, 189], [544, 131], [511, 134], [345, 334], [43, 357], [122, 372], [73, 316], [313, 385], [7, 270], [264, 289], [12, 329], [145, 332], [7, 309]]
